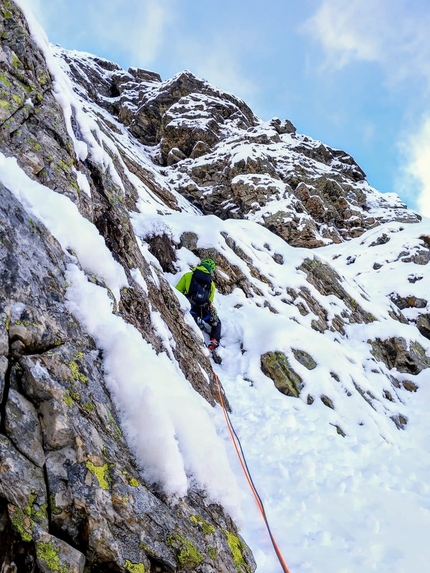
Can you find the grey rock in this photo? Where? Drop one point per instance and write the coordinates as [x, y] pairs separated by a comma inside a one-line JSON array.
[[189, 241], [396, 353], [53, 554], [144, 75], [382, 240], [187, 119], [4, 335], [174, 156], [23, 428], [423, 325], [400, 421], [22, 484], [304, 358], [327, 282], [34, 330], [200, 148], [57, 427], [327, 401], [4, 363], [283, 126], [51, 371]]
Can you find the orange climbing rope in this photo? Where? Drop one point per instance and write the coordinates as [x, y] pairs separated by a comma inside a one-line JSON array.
[[241, 456]]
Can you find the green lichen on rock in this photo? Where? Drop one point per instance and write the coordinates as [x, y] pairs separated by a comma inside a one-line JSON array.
[[54, 509], [61, 167], [396, 352], [237, 548], [76, 187], [40, 513], [275, 365], [7, 322], [304, 359], [34, 144], [327, 401], [134, 567], [101, 473], [68, 399], [188, 554], [76, 375], [206, 527], [133, 482], [5, 81], [43, 79], [116, 430], [212, 552], [416, 347], [16, 62], [47, 553], [22, 522]]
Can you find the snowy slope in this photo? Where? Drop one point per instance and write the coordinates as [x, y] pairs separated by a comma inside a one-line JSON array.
[[344, 503], [334, 503]]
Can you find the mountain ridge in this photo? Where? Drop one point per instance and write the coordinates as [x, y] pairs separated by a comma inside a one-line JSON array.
[[191, 124], [121, 183]]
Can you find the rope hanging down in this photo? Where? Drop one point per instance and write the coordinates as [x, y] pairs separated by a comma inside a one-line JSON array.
[[242, 459]]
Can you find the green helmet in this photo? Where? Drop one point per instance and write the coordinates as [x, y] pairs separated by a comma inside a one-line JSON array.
[[209, 264]]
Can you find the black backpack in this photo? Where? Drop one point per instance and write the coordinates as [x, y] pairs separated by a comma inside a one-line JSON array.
[[200, 288]]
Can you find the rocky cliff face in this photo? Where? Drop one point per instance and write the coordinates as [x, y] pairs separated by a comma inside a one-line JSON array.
[[72, 495]]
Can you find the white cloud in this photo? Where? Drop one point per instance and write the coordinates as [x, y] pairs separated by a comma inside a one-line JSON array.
[[346, 32], [416, 173], [392, 33], [138, 30], [218, 61], [222, 71]]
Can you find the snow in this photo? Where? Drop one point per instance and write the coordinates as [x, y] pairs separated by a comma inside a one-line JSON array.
[[82, 182], [165, 421], [167, 415], [343, 504], [62, 218], [352, 503]]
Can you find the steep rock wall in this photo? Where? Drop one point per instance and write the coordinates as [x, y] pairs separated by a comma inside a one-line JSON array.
[[71, 496]]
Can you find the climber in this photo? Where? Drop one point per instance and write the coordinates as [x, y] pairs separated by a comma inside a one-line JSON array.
[[198, 286]]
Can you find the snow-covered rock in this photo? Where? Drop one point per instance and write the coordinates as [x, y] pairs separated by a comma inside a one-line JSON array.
[[112, 184]]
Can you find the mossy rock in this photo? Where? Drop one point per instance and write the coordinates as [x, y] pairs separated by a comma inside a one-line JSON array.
[[304, 359], [238, 550], [275, 366], [56, 556], [188, 555]]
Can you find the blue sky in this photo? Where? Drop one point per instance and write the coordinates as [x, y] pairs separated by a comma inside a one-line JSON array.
[[354, 74]]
